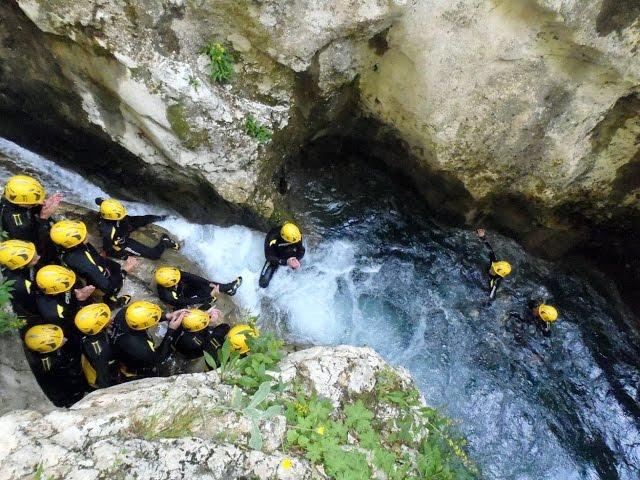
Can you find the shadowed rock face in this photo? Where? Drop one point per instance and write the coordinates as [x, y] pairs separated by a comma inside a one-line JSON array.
[[522, 114], [616, 15]]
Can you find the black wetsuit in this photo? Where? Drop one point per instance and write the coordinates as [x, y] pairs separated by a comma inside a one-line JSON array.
[[277, 251], [98, 352], [136, 349], [494, 280], [60, 310], [103, 273], [191, 290], [191, 345], [59, 374], [116, 239], [23, 223], [23, 293]]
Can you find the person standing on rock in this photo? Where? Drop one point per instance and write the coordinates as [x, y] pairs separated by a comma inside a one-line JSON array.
[[25, 211], [133, 344], [54, 359], [19, 261], [200, 334], [98, 360], [82, 257], [63, 296], [498, 269], [183, 289], [282, 246], [116, 227]]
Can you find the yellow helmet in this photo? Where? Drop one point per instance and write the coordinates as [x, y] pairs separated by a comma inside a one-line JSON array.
[[44, 338], [16, 254], [196, 320], [68, 233], [54, 279], [290, 233], [501, 268], [93, 318], [112, 209], [141, 315], [238, 337], [167, 276], [24, 190], [548, 313]]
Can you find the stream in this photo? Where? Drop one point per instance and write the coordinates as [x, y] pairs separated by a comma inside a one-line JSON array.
[[378, 272]]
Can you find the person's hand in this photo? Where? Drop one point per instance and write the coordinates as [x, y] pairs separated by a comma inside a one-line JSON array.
[[176, 321], [215, 291], [480, 232], [214, 313], [50, 205], [175, 314], [85, 292], [293, 262], [131, 264]]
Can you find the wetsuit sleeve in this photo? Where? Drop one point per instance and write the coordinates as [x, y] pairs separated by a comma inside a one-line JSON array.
[[300, 251], [172, 297], [98, 351], [492, 254], [193, 279], [141, 220], [87, 270]]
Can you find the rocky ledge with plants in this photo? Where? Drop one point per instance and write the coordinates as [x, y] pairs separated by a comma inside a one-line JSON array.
[[324, 412]]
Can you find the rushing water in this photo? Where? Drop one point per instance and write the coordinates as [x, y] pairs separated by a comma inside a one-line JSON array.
[[379, 273]]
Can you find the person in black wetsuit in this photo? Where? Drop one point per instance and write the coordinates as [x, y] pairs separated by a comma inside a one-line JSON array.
[[282, 246], [82, 257], [25, 211], [19, 259], [183, 289], [116, 227], [498, 269], [199, 334], [55, 362], [133, 345], [98, 361], [62, 297]]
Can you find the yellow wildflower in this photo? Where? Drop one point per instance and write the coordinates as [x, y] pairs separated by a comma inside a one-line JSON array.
[[320, 429], [286, 463]]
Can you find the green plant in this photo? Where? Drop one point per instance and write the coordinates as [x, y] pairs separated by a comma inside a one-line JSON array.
[[152, 426], [39, 474], [221, 66], [194, 82], [252, 370], [8, 320], [256, 130]]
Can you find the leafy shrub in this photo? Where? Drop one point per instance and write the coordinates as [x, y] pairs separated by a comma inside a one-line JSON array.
[[257, 130], [8, 320], [221, 62]]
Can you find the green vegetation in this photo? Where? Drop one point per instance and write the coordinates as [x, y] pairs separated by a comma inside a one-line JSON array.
[[256, 130], [8, 320], [40, 475], [194, 82], [221, 62], [190, 138], [153, 426], [322, 433]]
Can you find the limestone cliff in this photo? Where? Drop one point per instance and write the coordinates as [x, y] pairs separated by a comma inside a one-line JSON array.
[[339, 400]]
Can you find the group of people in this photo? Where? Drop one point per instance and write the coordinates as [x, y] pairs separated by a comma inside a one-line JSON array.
[[67, 293]]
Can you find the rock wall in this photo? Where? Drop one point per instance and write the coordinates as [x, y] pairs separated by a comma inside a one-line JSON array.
[[531, 106], [520, 113], [125, 87], [197, 426]]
